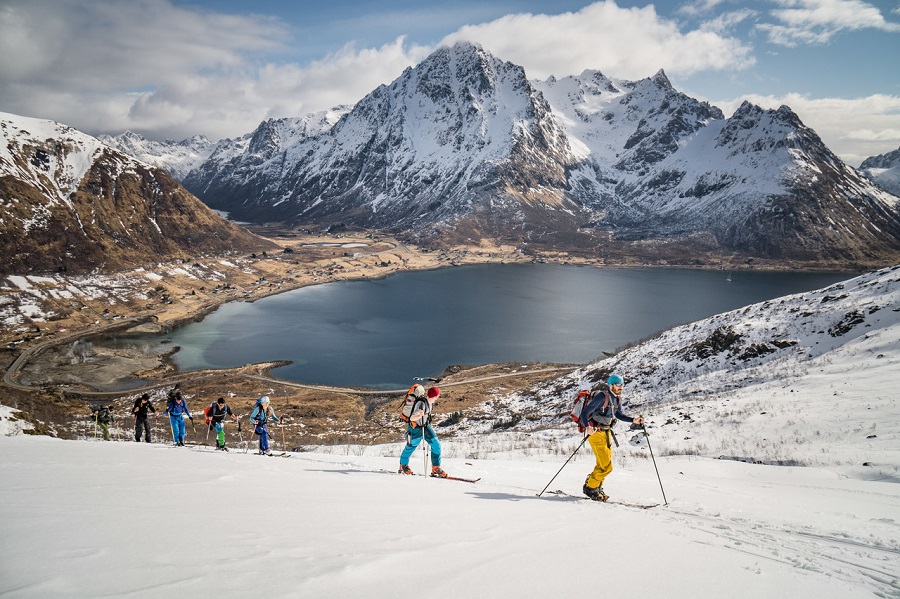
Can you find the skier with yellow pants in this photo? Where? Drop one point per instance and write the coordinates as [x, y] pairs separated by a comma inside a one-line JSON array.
[[600, 416]]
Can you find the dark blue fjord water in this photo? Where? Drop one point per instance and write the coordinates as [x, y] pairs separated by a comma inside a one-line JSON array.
[[382, 333]]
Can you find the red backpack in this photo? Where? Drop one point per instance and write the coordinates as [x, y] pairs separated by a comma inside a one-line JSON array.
[[581, 400]]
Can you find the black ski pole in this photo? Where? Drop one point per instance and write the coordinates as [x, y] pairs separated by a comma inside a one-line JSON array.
[[563, 466], [647, 435]]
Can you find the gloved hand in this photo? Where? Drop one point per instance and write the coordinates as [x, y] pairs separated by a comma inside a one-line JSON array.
[[191, 418]]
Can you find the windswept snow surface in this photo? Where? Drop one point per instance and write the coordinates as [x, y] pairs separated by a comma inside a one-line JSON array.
[[84, 518]]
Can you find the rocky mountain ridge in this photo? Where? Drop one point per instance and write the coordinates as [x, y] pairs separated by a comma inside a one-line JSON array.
[[178, 158], [70, 203], [464, 146], [884, 171]]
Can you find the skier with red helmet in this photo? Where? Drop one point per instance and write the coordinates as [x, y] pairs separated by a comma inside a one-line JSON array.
[[418, 411]]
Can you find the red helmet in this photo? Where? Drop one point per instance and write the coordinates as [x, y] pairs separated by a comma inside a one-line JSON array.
[[433, 392]]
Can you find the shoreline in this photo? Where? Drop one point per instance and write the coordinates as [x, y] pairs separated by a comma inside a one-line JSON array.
[[305, 260]]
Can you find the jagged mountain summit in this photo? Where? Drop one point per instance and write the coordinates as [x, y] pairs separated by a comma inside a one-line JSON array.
[[884, 171], [68, 202], [239, 158], [178, 158], [463, 146], [461, 137]]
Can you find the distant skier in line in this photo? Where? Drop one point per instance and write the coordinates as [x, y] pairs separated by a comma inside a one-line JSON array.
[[599, 417], [141, 411], [103, 417], [260, 416], [177, 410], [419, 405], [218, 410]]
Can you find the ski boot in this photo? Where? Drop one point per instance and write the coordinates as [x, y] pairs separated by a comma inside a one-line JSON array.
[[405, 469], [437, 472], [595, 494]]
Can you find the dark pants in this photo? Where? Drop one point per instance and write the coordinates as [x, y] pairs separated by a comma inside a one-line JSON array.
[[263, 431], [141, 423]]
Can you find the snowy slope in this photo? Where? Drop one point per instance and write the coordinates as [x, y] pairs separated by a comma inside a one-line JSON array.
[[156, 520], [56, 174], [238, 158]]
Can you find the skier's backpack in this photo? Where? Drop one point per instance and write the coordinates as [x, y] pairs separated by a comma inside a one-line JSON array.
[[102, 414], [583, 398], [406, 406]]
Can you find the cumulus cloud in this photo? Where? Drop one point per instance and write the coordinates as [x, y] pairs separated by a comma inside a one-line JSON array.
[[626, 42], [854, 128], [104, 65], [818, 21], [170, 71]]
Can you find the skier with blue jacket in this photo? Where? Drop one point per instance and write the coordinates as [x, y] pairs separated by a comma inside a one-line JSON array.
[[177, 410], [260, 416], [599, 417]]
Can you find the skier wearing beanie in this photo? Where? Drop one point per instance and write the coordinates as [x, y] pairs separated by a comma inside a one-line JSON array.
[[260, 416], [599, 417], [419, 405]]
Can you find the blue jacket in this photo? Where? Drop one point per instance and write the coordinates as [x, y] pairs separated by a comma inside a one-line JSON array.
[[262, 415], [177, 407], [600, 412]]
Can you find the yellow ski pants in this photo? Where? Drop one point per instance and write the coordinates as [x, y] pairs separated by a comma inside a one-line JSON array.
[[601, 443]]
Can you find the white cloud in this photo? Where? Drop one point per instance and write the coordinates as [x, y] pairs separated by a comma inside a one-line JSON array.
[[853, 128], [699, 7], [167, 71], [625, 42], [728, 20], [817, 21], [104, 65]]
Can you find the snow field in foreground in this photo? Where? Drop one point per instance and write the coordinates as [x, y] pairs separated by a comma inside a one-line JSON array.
[[84, 518]]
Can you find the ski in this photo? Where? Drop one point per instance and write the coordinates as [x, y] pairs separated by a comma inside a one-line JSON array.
[[462, 480], [640, 506]]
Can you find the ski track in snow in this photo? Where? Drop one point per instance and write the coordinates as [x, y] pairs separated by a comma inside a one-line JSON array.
[[161, 520]]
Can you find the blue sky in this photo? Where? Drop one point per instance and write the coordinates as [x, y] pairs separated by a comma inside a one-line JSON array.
[[174, 68]]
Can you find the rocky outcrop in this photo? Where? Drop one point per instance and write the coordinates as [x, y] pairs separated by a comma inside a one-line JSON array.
[[70, 203]]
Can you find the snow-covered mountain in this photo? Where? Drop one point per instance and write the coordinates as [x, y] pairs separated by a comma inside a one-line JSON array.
[[884, 171], [661, 163], [238, 158], [461, 135], [464, 146], [178, 158], [70, 202]]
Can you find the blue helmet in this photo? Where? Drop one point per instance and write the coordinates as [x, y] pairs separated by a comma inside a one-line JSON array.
[[615, 379]]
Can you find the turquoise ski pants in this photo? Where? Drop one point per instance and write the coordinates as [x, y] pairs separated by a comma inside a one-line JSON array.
[[414, 437]]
